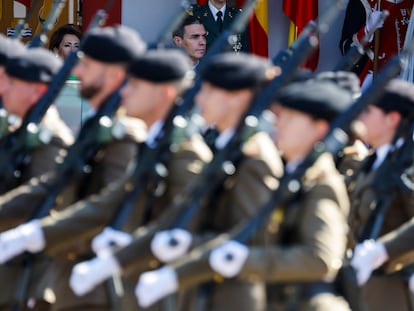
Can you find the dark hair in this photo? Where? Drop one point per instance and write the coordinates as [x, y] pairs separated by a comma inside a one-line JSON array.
[[57, 36], [189, 20]]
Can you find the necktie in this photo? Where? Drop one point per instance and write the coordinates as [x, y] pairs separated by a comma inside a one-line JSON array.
[[210, 138], [219, 20]]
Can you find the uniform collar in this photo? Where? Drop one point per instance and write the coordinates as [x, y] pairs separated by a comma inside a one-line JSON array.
[[223, 139], [214, 10], [153, 132], [383, 151]]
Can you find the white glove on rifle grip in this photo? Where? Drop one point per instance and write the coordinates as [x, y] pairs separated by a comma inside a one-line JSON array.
[[108, 238], [368, 256], [155, 285], [25, 237], [164, 250], [228, 259], [87, 275], [373, 21]]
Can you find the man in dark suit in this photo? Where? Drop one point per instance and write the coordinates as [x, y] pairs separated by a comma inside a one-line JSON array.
[[191, 37], [216, 16]]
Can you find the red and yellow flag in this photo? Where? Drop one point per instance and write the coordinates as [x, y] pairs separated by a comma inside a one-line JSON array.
[[300, 12], [258, 28]]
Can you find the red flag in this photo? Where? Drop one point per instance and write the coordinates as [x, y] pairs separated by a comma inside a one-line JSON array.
[[202, 2], [258, 28], [300, 13]]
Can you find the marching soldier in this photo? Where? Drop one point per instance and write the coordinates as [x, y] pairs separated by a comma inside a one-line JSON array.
[[388, 130], [216, 15], [8, 47], [102, 69], [28, 75], [229, 85], [306, 239], [157, 78]]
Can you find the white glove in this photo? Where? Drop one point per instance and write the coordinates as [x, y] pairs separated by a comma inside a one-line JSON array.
[[25, 237], [155, 285], [170, 244], [228, 259], [87, 274], [411, 283], [109, 238], [373, 19], [368, 256]]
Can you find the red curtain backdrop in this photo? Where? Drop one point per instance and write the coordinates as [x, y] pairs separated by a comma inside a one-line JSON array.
[[90, 7], [26, 3], [300, 12]]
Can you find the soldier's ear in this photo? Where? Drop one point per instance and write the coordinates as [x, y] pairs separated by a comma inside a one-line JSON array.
[[178, 41]]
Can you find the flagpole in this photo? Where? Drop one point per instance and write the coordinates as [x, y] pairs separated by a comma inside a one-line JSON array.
[[376, 44]]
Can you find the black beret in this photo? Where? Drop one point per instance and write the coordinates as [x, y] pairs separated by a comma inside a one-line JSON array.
[[34, 65], [237, 71], [9, 47], [161, 65], [117, 44], [345, 79], [398, 96], [320, 99]]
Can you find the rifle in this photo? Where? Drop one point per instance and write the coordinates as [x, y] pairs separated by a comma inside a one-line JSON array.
[[93, 134], [151, 159], [194, 268], [187, 203], [387, 180], [41, 38], [16, 147]]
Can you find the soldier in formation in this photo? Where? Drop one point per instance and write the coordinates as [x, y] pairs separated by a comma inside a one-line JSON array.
[[120, 234]]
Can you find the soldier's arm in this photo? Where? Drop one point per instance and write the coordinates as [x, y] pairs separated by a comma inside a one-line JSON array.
[[319, 253]]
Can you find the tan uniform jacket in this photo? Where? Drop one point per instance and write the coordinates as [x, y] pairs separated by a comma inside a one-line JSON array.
[[314, 241], [251, 186], [401, 209], [17, 205], [84, 219]]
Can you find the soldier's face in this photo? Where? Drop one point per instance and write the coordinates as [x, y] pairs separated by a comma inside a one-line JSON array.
[[193, 41], [3, 80], [218, 3], [18, 95], [139, 98], [91, 74], [221, 107], [379, 126], [296, 132]]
